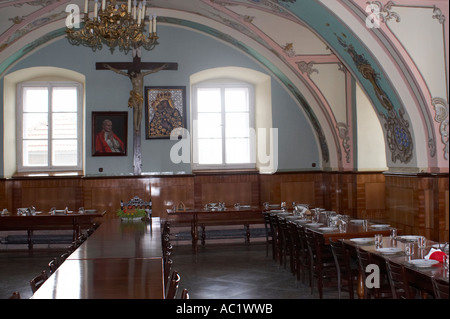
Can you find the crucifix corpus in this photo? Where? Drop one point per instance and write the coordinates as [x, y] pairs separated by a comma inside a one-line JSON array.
[[136, 99]]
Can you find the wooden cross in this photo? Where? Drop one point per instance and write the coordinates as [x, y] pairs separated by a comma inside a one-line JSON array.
[[136, 100]]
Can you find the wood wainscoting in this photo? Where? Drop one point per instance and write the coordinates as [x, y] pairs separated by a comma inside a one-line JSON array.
[[416, 204]]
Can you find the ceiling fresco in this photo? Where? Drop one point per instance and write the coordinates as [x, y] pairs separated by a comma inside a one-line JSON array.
[[291, 39]]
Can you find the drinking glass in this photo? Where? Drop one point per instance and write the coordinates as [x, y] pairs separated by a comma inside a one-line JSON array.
[[365, 224], [421, 241], [342, 226], [393, 233], [409, 249], [378, 240], [445, 261]]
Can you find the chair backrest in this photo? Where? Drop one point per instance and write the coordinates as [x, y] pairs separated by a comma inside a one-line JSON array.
[[311, 242], [341, 256], [293, 233], [364, 260], [267, 224], [440, 288], [37, 281], [173, 286], [397, 280], [135, 202], [185, 294], [167, 268], [53, 265], [15, 295]]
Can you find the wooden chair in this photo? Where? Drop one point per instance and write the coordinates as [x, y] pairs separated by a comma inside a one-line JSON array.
[[398, 281], [347, 275], [286, 244], [322, 264], [269, 232], [167, 268], [53, 265], [276, 237], [364, 260], [304, 255], [173, 286], [37, 281], [15, 295], [185, 294], [440, 288]]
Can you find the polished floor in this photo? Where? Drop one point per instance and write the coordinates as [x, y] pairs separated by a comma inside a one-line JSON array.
[[216, 271]]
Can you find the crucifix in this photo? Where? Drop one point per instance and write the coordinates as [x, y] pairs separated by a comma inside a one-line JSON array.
[[136, 99]]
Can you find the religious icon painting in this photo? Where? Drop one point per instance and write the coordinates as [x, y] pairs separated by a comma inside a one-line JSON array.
[[165, 109], [109, 133]]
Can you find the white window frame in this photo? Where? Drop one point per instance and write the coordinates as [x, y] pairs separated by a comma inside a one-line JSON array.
[[223, 84], [19, 127]]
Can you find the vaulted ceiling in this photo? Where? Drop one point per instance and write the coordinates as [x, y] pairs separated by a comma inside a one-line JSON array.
[[318, 50]]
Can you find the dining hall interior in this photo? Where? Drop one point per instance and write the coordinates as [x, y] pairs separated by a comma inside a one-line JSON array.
[[233, 149]]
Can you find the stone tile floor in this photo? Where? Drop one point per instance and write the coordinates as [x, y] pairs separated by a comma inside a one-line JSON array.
[[216, 271]]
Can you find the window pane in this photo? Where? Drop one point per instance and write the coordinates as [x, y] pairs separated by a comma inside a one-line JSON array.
[[35, 99], [237, 151], [64, 99], [64, 153], [35, 125], [64, 125], [35, 153], [209, 125], [236, 100], [237, 125], [208, 100], [210, 151]]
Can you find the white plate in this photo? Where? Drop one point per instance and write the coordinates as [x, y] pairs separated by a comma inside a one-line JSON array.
[[293, 217], [363, 241], [423, 263], [314, 224], [380, 226], [326, 229], [408, 237], [441, 246], [301, 221], [389, 250], [357, 221]]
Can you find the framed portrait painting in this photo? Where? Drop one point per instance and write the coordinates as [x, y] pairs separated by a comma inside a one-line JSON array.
[[165, 109], [109, 133]]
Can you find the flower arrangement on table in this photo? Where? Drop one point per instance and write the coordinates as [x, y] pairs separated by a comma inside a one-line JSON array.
[[131, 213]]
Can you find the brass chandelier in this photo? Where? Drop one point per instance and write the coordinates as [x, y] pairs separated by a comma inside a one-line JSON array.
[[118, 26]]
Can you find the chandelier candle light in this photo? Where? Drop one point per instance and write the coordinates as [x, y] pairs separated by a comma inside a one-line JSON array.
[[121, 26]]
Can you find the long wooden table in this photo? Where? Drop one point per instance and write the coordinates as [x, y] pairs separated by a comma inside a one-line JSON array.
[[229, 216], [417, 277], [47, 221], [120, 260]]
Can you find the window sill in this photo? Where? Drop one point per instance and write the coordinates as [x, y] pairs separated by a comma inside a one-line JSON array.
[[225, 171], [62, 174]]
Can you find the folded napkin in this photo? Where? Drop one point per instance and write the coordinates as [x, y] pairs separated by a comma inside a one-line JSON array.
[[435, 254]]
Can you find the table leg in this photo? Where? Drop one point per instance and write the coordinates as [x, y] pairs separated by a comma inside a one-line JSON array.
[[247, 233], [203, 235], [194, 234], [30, 239], [360, 285]]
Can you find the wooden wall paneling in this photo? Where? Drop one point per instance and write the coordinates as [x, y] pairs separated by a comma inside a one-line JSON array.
[[371, 196], [228, 188], [105, 194], [47, 193], [169, 191], [441, 208], [417, 204]]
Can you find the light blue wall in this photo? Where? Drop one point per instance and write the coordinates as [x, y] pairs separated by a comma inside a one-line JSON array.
[[194, 52]]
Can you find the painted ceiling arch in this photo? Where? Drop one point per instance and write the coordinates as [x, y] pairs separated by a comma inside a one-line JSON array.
[[42, 21]]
